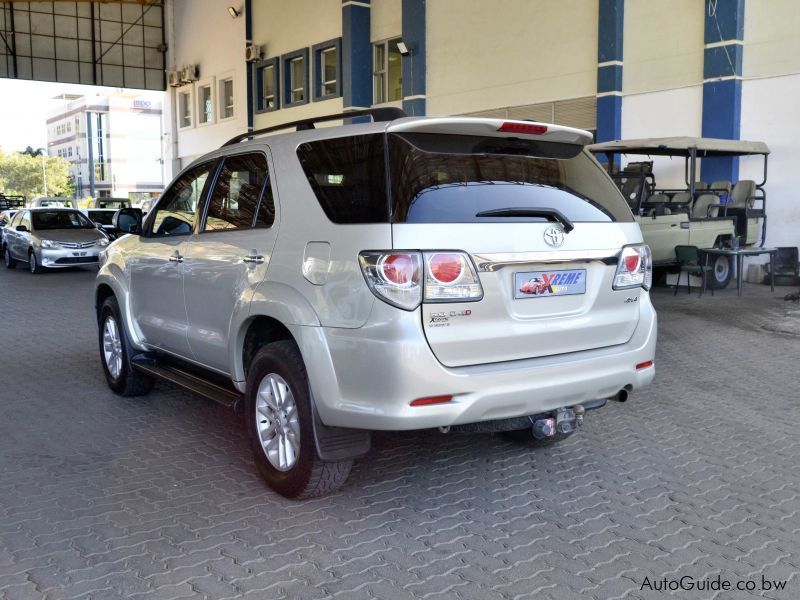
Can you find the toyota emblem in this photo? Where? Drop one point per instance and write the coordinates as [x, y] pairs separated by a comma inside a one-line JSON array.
[[554, 236]]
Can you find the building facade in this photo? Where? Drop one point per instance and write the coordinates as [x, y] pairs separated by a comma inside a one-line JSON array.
[[618, 68], [112, 142]]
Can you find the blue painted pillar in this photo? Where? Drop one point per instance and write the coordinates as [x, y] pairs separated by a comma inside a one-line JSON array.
[[356, 55], [609, 70], [414, 63], [722, 83]]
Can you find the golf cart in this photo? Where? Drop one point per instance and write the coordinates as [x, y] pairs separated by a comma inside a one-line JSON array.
[[9, 202], [109, 203], [703, 214]]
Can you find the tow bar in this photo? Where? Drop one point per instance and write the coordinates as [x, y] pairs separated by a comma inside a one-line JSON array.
[[565, 421]]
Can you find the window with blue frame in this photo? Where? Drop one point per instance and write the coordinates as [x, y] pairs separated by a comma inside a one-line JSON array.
[[327, 69], [267, 88], [295, 78]]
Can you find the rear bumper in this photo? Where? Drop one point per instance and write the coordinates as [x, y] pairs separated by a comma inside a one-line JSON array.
[[366, 377]]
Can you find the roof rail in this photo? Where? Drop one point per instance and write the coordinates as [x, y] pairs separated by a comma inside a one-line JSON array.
[[388, 113]]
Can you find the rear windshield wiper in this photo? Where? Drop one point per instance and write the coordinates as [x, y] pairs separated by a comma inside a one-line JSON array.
[[551, 214]]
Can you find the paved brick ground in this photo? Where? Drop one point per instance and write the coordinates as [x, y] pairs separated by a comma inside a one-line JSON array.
[[104, 497]]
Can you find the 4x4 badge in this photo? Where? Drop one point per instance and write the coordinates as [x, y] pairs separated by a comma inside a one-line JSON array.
[[554, 236]]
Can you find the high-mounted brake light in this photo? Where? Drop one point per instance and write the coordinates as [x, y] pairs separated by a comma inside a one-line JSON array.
[[634, 268], [529, 128]]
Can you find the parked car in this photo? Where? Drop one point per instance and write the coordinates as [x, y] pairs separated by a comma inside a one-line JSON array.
[[104, 217], [110, 203], [706, 214], [52, 202], [11, 202], [5, 219], [51, 238], [275, 274]]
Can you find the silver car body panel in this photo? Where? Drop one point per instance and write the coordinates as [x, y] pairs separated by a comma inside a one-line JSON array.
[[366, 360]]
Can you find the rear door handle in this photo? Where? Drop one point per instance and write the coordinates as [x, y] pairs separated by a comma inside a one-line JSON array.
[[176, 258], [254, 259]]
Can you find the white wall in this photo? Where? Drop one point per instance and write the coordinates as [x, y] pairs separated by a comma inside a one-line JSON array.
[[484, 55], [202, 32], [770, 114], [663, 114]]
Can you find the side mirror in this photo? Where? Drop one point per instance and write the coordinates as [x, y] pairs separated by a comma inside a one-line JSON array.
[[99, 226], [22, 228], [128, 220]]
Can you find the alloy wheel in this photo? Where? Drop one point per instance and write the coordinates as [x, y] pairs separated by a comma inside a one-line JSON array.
[[277, 422], [112, 347]]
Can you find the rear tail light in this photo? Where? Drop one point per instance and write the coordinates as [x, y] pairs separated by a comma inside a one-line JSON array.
[[394, 277], [400, 277], [634, 268], [450, 277]]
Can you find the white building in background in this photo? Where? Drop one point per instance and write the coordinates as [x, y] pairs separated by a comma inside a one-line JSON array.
[[112, 142]]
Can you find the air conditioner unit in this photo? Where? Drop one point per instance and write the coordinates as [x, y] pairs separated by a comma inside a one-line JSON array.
[[253, 53], [174, 78], [189, 73]]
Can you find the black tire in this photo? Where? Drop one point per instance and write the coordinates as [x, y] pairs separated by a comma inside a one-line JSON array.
[[9, 260], [129, 382], [309, 477], [33, 263], [525, 438], [721, 272]]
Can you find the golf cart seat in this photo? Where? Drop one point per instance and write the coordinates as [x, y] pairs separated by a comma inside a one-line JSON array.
[[787, 267], [700, 185], [657, 204], [722, 189], [706, 206], [743, 194], [681, 198]]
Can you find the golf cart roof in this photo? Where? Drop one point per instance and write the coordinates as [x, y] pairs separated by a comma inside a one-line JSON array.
[[682, 146]]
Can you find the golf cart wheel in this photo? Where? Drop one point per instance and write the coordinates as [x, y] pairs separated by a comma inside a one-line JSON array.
[[721, 273]]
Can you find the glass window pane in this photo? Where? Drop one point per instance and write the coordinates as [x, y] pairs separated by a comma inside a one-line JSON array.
[[185, 109], [380, 88], [206, 110], [330, 67], [298, 79], [174, 214], [395, 72], [226, 98], [235, 198], [269, 87]]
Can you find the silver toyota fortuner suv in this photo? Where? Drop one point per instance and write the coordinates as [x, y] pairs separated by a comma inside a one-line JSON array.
[[465, 274]]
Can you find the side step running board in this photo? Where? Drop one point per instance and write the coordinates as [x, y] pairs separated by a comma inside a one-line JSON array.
[[227, 396]]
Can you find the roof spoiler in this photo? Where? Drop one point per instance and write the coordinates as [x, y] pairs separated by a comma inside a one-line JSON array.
[[388, 113]]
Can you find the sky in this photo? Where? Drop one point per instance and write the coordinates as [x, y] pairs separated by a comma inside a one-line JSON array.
[[24, 106]]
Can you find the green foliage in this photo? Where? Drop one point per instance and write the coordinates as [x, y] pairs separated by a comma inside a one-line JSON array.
[[21, 173]]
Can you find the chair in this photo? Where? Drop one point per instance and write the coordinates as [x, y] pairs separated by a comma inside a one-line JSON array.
[[688, 258], [706, 207], [723, 190], [787, 268], [743, 194], [700, 185]]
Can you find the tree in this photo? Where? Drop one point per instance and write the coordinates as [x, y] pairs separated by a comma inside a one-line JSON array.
[[21, 173], [31, 152]]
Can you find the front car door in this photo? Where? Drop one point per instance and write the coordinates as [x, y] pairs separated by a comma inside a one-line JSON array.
[[11, 234], [228, 256], [156, 270], [21, 239]]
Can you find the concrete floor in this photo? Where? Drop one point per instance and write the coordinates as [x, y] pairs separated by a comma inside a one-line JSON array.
[[157, 497]]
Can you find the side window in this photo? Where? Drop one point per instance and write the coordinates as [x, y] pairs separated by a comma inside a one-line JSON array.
[[174, 214], [16, 220], [26, 220], [234, 203]]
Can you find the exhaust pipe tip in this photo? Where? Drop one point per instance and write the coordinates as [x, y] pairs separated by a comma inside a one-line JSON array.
[[622, 395]]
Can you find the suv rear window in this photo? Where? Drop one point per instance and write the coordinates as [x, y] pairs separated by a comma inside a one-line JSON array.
[[451, 178], [348, 177]]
